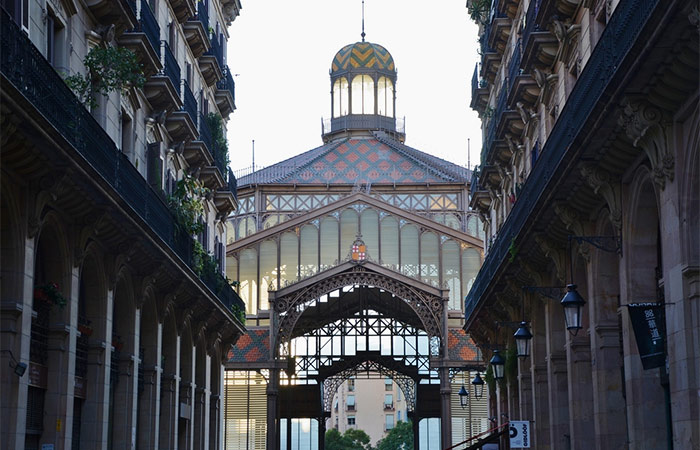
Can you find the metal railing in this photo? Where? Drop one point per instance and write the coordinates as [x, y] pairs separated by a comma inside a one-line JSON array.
[[216, 51], [363, 122], [171, 68], [617, 39], [149, 25], [189, 104], [493, 124], [514, 66], [227, 84], [205, 133], [24, 67], [232, 183], [530, 25], [475, 80], [202, 14]]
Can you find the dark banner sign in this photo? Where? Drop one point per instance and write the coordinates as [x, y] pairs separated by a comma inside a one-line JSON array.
[[648, 323]]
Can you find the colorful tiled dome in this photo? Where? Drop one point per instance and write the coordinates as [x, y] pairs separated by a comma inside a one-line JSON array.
[[362, 55]]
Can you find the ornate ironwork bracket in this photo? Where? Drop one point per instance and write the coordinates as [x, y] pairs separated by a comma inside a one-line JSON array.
[[605, 243], [552, 292]]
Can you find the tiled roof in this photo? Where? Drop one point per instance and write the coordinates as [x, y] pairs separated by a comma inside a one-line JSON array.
[[362, 55], [361, 161], [460, 347], [252, 347]]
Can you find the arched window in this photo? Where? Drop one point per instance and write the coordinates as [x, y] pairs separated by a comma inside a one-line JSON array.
[[385, 97], [340, 97], [268, 271], [362, 95]]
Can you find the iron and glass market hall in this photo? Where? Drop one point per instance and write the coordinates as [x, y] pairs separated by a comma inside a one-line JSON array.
[[352, 259]]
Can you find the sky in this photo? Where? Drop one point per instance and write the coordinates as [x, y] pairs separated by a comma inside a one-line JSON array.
[[281, 51]]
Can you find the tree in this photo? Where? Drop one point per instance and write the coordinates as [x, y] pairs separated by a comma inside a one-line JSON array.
[[400, 437], [353, 439]]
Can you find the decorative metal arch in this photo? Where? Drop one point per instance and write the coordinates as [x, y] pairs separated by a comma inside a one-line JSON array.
[[405, 382], [288, 308]]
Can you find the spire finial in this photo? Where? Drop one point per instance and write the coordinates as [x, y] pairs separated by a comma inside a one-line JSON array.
[[363, 21]]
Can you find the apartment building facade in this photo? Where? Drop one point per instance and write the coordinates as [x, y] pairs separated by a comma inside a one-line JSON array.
[[116, 314]]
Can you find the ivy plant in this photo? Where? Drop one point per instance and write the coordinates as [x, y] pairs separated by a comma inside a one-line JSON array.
[[108, 69], [220, 150], [187, 205]]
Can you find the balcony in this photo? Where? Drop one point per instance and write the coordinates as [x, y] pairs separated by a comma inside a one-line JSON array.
[[119, 13], [508, 7], [498, 32], [226, 198], [29, 78], [163, 89], [183, 9], [521, 86], [144, 40], [351, 122], [225, 94], [539, 45], [480, 92], [480, 199], [197, 29], [213, 173], [388, 406], [211, 63], [182, 124]]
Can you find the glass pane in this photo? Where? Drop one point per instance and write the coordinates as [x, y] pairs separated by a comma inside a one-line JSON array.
[[452, 221], [268, 271], [471, 261], [409, 250], [232, 268], [248, 281], [390, 242], [329, 242], [357, 95], [348, 231], [430, 259], [309, 251], [289, 258], [450, 272], [389, 98], [369, 225], [381, 96], [271, 221], [367, 94]]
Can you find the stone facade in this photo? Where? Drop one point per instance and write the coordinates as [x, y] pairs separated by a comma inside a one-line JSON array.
[[121, 318], [589, 175]]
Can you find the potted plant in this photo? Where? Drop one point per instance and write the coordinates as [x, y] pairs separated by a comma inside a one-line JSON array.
[[50, 293]]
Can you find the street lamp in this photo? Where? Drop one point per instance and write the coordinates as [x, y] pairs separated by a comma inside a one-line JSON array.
[[478, 384], [522, 340], [463, 397], [498, 365], [572, 303]]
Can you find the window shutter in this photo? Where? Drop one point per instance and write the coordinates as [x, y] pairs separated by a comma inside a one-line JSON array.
[[154, 166]]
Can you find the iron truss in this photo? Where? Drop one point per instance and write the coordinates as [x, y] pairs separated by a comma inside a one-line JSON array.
[[405, 382]]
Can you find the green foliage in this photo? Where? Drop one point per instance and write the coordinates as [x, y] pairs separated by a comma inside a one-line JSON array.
[[399, 438], [50, 293], [108, 70], [220, 150], [353, 439], [238, 313], [512, 250], [479, 10], [488, 112], [186, 203], [490, 380]]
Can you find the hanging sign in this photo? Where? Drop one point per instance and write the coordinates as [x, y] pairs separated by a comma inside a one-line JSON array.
[[649, 329], [519, 434]]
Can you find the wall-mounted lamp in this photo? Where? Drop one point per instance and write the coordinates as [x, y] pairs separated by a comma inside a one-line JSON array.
[[522, 340], [18, 367], [478, 384], [463, 397], [498, 365]]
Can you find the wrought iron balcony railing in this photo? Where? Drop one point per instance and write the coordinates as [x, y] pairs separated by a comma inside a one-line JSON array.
[[617, 39], [205, 133], [232, 183], [227, 83], [514, 66], [530, 25], [23, 67], [202, 14], [148, 24], [475, 80], [216, 51], [189, 104], [171, 68], [493, 124]]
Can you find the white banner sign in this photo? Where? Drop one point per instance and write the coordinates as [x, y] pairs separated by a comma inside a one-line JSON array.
[[519, 434]]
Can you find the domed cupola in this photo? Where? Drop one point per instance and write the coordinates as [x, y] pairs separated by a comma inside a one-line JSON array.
[[363, 96]]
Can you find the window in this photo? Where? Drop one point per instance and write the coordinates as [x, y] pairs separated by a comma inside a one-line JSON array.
[[19, 11], [398, 416], [398, 395], [389, 401], [388, 384], [362, 95], [385, 97], [351, 420], [340, 97], [351, 385], [127, 135], [350, 403], [389, 422]]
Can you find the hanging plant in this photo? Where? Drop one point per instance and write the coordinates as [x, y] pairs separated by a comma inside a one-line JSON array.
[[218, 137], [479, 10], [50, 293], [108, 69], [187, 205], [238, 313]]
